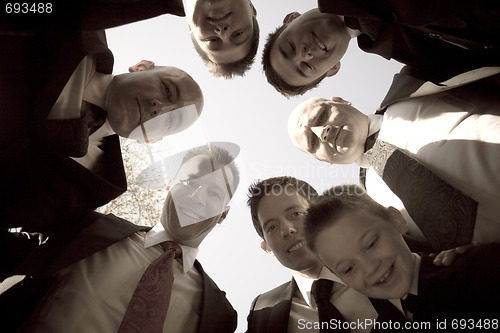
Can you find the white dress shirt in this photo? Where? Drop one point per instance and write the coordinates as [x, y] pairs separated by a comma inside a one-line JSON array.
[[92, 295]]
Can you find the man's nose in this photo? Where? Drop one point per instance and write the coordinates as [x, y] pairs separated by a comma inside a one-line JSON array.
[[221, 29], [287, 228], [322, 132], [305, 53], [157, 108], [370, 265], [197, 196]]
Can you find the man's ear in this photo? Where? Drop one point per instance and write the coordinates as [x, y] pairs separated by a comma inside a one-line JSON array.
[[142, 65], [340, 100], [398, 219], [334, 70], [266, 248], [223, 215], [290, 17], [254, 11]]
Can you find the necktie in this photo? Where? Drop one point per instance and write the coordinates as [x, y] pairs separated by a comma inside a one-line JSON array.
[[410, 303], [445, 215], [321, 291], [148, 306], [387, 312]]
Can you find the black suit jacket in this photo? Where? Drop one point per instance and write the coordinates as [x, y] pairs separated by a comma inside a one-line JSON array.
[[100, 232], [217, 314], [270, 311], [86, 14], [437, 39], [468, 289], [43, 189]]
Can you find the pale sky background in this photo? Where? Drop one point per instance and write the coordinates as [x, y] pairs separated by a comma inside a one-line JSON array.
[[250, 113]]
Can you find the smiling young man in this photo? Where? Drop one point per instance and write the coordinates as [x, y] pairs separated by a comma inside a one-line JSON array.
[[306, 49], [278, 208], [443, 40], [361, 242], [225, 33], [102, 278]]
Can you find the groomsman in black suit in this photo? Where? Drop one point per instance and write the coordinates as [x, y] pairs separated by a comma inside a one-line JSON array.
[[95, 278], [60, 158], [445, 38]]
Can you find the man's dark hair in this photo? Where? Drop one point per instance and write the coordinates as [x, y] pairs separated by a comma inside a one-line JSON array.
[[335, 203], [237, 68], [221, 158], [269, 186], [273, 78]]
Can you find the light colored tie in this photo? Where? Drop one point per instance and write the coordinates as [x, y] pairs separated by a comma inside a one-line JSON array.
[[148, 306]]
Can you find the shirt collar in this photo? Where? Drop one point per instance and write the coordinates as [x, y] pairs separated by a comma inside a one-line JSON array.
[[305, 282], [158, 234], [374, 125], [416, 269]]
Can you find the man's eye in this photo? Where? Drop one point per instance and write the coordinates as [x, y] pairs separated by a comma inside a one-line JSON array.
[[211, 40], [348, 270], [373, 243], [314, 143], [166, 88], [298, 214], [215, 194], [271, 228]]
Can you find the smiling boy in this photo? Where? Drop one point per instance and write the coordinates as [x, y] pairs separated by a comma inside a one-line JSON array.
[[361, 242]]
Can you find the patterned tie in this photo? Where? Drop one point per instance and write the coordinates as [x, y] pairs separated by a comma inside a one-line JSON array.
[[321, 291], [445, 215], [148, 306]]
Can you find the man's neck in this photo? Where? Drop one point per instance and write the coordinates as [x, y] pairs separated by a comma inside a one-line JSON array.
[[311, 273], [95, 92]]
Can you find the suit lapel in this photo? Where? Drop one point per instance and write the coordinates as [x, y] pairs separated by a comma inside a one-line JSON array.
[[270, 312], [405, 86], [280, 313], [66, 50], [104, 231], [217, 314]]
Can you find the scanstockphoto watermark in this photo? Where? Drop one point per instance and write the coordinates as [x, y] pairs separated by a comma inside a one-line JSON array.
[[444, 324], [335, 324]]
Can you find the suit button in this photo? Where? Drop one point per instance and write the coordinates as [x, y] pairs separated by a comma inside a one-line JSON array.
[[435, 35]]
